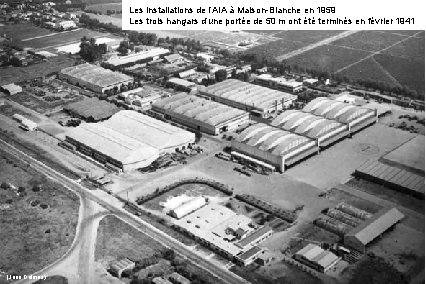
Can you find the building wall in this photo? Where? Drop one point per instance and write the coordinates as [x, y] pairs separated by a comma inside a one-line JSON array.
[[354, 243]]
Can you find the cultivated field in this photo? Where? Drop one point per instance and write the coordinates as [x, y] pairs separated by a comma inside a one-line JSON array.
[[19, 74], [38, 218], [328, 57], [369, 40], [23, 31], [62, 38], [104, 7]]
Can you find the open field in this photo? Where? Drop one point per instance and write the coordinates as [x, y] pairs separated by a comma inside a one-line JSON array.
[[117, 240], [23, 31], [412, 49], [289, 41], [369, 69], [328, 57], [62, 38], [368, 40], [104, 7], [38, 224], [36, 104], [406, 72], [100, 1], [17, 74]]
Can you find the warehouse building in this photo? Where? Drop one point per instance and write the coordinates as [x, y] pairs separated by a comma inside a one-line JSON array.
[[181, 84], [188, 207], [354, 117], [91, 109], [11, 89], [372, 228], [279, 83], [258, 100], [94, 78], [128, 140], [144, 56], [201, 114], [265, 144], [225, 231], [324, 131], [317, 258]]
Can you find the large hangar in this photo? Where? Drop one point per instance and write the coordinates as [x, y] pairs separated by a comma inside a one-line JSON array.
[[354, 117], [274, 146], [256, 99], [93, 77], [201, 114], [324, 131], [128, 140]]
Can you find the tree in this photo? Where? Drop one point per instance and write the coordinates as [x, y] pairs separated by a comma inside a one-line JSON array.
[[220, 75], [124, 47]]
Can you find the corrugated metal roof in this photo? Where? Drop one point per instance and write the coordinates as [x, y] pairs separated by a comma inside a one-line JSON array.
[[92, 107], [376, 225]]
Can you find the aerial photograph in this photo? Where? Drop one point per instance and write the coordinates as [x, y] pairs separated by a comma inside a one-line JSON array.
[[213, 157]]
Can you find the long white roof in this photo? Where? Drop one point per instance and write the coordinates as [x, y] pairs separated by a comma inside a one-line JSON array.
[[248, 94]]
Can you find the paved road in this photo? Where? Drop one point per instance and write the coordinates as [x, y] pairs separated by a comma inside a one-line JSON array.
[[115, 207]]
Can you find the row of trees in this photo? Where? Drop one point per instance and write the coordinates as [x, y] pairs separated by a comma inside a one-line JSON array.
[[90, 51]]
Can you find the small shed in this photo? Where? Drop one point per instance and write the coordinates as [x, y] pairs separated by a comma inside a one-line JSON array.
[[11, 89]]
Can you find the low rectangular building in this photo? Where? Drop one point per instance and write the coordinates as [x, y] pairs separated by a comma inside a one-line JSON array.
[[94, 78], [221, 229], [249, 97], [118, 267], [201, 114], [317, 258], [279, 83], [181, 84], [143, 56]]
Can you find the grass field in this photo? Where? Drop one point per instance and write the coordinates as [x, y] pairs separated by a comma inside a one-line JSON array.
[[288, 41], [117, 240], [33, 235], [369, 69], [104, 7], [369, 40], [328, 57], [63, 38], [411, 49], [406, 72], [18, 74], [100, 1], [23, 31]]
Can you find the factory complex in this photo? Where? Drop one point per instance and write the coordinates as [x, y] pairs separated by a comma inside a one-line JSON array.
[[128, 140], [279, 83], [146, 55], [94, 78], [297, 134], [221, 229], [317, 258], [258, 100], [201, 114]]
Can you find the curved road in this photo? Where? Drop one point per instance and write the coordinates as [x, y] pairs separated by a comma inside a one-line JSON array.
[[115, 207]]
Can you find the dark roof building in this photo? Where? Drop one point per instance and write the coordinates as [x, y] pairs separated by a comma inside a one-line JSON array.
[[361, 236], [92, 109]]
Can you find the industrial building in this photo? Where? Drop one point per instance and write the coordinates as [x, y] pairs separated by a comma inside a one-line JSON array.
[[128, 140], [372, 228], [146, 55], [118, 267], [11, 89], [226, 232], [317, 258], [258, 100], [181, 84], [94, 78], [267, 145], [188, 207], [279, 83], [91, 109], [324, 131], [354, 117], [201, 114], [25, 123]]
